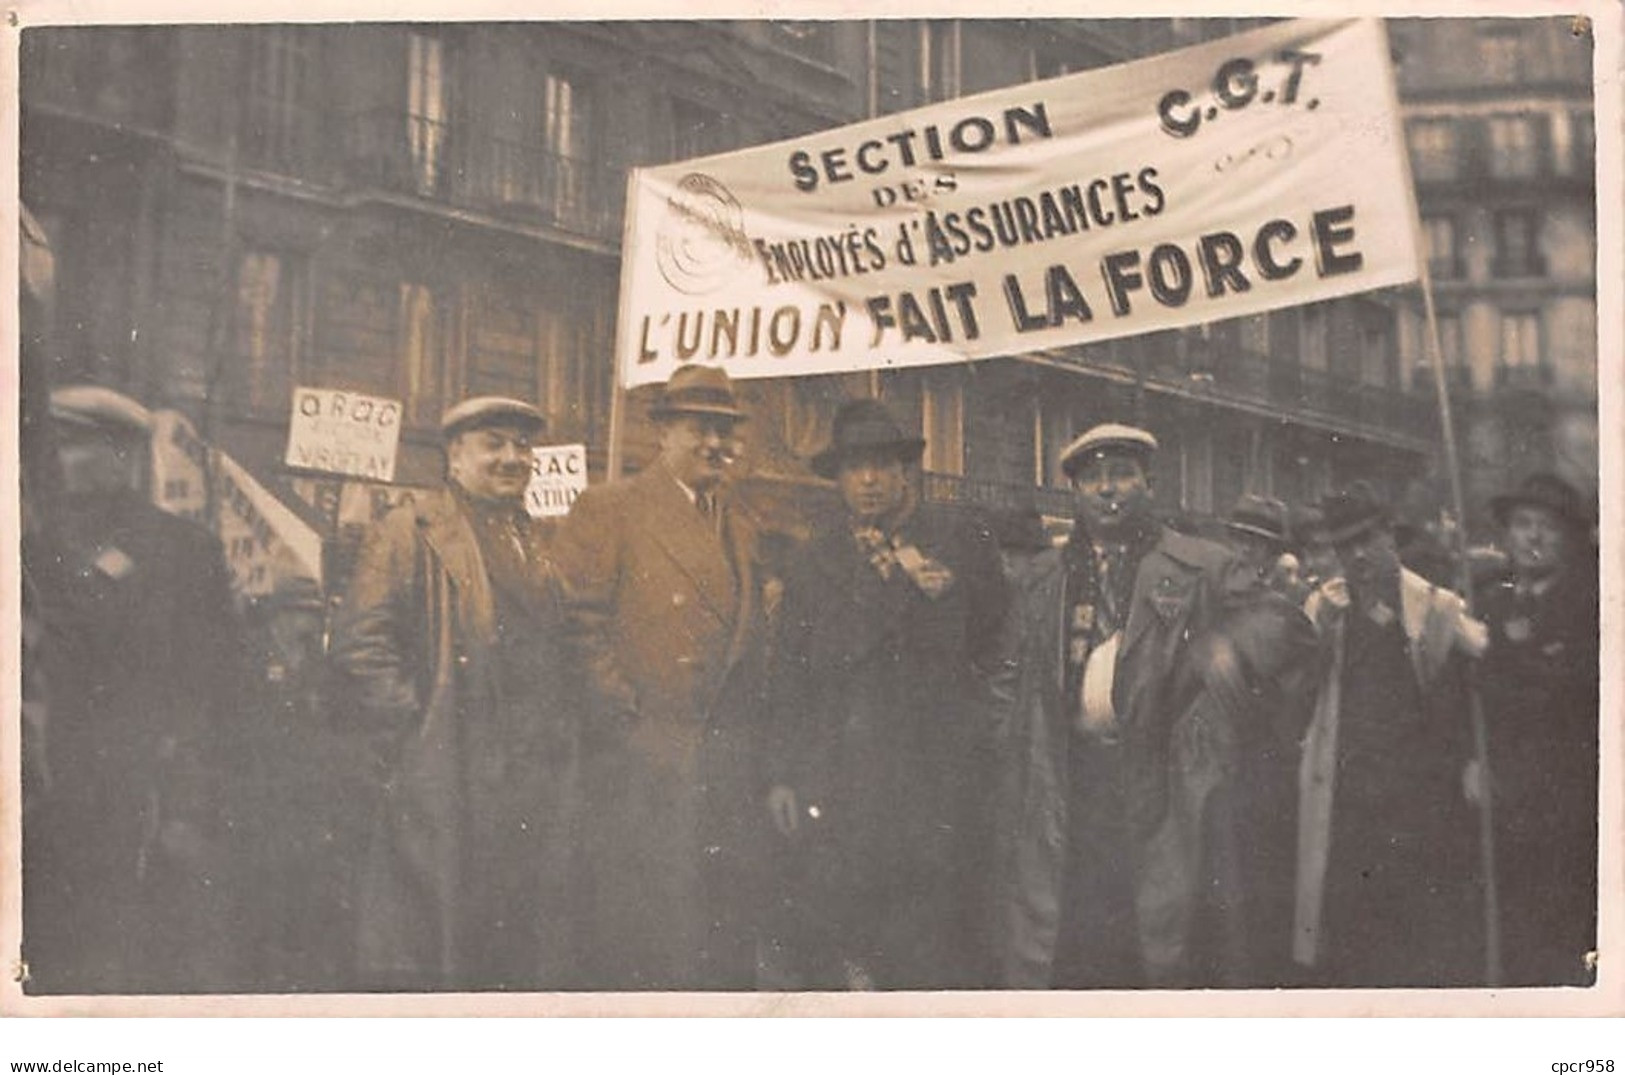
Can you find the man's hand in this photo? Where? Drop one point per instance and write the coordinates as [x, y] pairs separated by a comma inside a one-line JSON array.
[[781, 806]]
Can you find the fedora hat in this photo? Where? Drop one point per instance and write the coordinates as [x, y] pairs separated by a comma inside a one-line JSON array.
[[1353, 512], [1107, 437], [1544, 490], [481, 412], [704, 390], [866, 425], [1262, 516]]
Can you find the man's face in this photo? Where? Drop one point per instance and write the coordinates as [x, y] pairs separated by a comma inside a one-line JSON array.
[[1320, 561], [1255, 551], [492, 463], [1113, 493], [1370, 560], [873, 484], [697, 448], [100, 462], [1534, 540]]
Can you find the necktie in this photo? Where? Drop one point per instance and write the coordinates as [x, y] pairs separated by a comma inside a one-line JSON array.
[[707, 503]]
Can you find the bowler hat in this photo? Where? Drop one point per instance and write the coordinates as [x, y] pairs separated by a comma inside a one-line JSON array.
[[1107, 437], [481, 412], [866, 425], [94, 405], [698, 390], [1353, 512], [1544, 490], [1263, 516]]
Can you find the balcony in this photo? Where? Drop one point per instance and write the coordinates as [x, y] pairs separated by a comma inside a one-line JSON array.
[[466, 168]]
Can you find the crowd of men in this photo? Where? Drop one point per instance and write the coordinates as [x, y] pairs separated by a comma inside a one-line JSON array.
[[917, 750]]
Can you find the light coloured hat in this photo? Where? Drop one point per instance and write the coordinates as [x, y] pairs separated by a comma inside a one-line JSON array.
[[92, 404], [702, 390], [483, 411], [1107, 437]]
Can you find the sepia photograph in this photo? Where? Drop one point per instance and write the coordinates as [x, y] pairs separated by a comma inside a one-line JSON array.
[[719, 515]]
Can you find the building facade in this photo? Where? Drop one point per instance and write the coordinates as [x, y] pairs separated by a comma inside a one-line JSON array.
[[427, 212]]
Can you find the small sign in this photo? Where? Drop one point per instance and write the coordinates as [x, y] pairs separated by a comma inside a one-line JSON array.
[[558, 475], [344, 433]]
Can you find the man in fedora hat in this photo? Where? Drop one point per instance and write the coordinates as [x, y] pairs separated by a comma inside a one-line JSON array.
[[1136, 691], [1386, 849], [450, 642], [1539, 685], [877, 749], [665, 602], [136, 673]]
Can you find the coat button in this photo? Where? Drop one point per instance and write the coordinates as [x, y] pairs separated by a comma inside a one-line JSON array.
[[462, 659]]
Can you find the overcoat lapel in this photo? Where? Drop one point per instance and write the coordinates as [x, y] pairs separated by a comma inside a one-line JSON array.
[[677, 527], [448, 533]]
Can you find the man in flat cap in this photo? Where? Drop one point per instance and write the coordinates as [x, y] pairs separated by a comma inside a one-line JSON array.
[[1133, 695], [880, 729], [1385, 892], [665, 604], [1539, 683], [138, 672], [451, 642]]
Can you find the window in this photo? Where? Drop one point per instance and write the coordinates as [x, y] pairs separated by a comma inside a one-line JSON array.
[[1501, 54], [1433, 149], [426, 111], [1450, 345], [1312, 337], [1375, 355], [813, 39], [422, 353], [567, 130], [1514, 147], [270, 311], [1517, 244], [698, 131], [1520, 340], [943, 418], [280, 72], [939, 59], [1439, 235]]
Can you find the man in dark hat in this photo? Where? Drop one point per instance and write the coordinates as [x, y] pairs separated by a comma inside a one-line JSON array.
[[1539, 684], [451, 642], [879, 737], [1386, 849], [137, 675], [665, 602], [1138, 666], [1257, 531]]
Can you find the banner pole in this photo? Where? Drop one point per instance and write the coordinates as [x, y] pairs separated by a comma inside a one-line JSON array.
[[617, 394], [1475, 705], [1464, 572]]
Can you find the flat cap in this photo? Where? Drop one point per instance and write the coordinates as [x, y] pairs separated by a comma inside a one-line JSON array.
[[482, 411], [93, 404], [1109, 436]]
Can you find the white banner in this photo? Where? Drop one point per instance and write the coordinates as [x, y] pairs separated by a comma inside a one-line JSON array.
[[558, 474], [344, 433], [263, 538], [1243, 175]]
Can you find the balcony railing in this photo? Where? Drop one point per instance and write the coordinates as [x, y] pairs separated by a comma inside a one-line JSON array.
[[427, 158]]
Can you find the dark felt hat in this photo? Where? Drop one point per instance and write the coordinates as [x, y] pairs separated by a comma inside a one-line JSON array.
[[1263, 516], [1544, 490], [1353, 512], [481, 412], [704, 390], [866, 425], [1107, 437]]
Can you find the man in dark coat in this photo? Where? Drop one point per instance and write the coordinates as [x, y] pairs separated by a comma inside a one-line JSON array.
[[666, 611], [1138, 676], [451, 641], [1387, 855], [1539, 684], [136, 676], [878, 751]]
